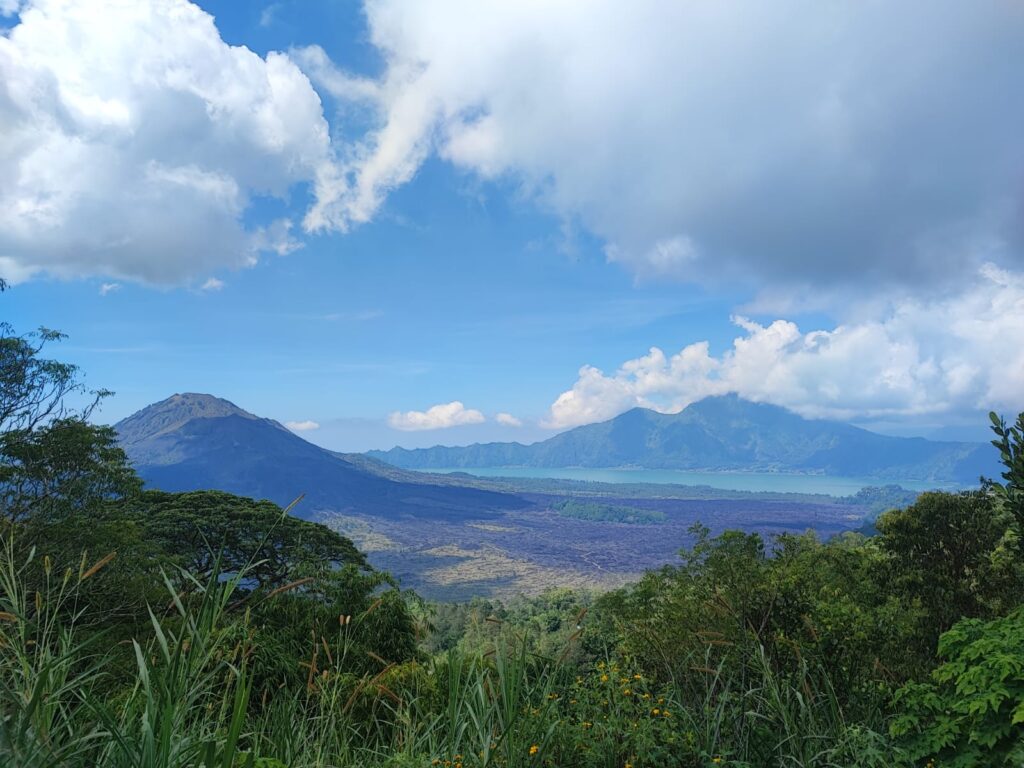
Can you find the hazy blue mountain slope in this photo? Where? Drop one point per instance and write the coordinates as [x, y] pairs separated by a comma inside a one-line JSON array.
[[192, 441], [724, 433]]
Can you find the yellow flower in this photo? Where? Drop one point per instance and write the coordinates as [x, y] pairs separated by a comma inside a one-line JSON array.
[[655, 711], [716, 760], [604, 678], [626, 692], [638, 677], [534, 749]]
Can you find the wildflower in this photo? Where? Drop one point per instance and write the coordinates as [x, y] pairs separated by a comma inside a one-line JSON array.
[[626, 692], [638, 676], [655, 711], [604, 678], [534, 749], [716, 760]]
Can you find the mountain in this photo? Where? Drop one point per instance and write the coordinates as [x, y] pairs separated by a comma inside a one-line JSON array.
[[194, 441], [723, 433]]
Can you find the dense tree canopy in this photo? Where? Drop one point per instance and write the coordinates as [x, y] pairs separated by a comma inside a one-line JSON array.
[[203, 529]]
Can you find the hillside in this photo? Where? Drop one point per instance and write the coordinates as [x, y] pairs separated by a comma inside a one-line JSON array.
[[722, 433], [196, 441]]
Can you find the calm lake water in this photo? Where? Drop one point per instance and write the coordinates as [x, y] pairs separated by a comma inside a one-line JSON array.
[[730, 481]]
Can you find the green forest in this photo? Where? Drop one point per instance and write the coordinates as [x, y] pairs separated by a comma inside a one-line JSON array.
[[150, 629]]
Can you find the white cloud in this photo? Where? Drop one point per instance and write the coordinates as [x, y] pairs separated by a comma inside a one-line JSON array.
[[302, 426], [107, 288], [132, 138], [816, 142], [212, 284], [508, 420], [451, 414], [962, 352]]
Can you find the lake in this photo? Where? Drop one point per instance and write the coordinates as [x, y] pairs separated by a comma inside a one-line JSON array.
[[779, 482]]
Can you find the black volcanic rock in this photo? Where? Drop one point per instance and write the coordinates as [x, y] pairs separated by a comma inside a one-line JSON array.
[[195, 441], [723, 433]]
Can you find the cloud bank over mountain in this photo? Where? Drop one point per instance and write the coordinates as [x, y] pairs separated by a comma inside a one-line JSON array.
[[961, 353]]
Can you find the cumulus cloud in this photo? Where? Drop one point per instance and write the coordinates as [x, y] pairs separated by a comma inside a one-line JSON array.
[[798, 141], [212, 284], [302, 426], [453, 414], [108, 288], [132, 138], [508, 420], [960, 353]]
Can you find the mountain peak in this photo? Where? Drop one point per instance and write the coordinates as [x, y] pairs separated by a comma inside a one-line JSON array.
[[192, 441], [170, 414]]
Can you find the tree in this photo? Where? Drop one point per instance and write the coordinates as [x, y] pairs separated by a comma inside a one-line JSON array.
[[947, 552], [53, 462], [1010, 494], [199, 528], [35, 390]]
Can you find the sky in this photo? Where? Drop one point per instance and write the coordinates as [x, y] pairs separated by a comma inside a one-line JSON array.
[[419, 222]]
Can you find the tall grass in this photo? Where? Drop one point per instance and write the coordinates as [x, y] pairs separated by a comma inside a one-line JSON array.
[[189, 702]]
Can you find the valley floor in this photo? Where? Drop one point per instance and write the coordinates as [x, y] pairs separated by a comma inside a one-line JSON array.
[[532, 550]]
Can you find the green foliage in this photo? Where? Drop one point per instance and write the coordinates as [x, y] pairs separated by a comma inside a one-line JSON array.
[[53, 463], [64, 468], [971, 710], [607, 513], [877, 499], [1010, 493], [200, 528], [948, 555]]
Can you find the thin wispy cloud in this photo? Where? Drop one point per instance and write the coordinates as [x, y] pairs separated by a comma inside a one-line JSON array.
[[212, 284]]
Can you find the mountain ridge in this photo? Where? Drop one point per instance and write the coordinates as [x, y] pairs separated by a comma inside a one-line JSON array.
[[724, 433], [194, 441]]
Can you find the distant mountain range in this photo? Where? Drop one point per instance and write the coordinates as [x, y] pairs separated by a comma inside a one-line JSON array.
[[723, 433], [195, 441]]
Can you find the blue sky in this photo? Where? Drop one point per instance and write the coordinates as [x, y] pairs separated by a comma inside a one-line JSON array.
[[552, 213]]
